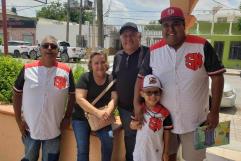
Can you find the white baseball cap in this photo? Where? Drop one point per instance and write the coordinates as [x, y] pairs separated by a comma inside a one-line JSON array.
[[151, 81]]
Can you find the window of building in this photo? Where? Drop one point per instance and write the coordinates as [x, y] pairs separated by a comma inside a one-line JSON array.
[[222, 19], [235, 50]]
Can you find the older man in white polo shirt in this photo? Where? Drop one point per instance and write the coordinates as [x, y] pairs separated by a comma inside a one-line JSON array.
[[41, 92]]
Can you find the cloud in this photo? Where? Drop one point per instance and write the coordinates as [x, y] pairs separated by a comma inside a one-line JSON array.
[[155, 4], [231, 4], [121, 11]]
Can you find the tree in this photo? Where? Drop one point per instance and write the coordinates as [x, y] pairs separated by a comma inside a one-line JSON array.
[[55, 11], [58, 11], [74, 16]]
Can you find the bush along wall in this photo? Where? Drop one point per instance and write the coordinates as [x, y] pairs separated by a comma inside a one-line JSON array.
[[9, 70], [77, 72]]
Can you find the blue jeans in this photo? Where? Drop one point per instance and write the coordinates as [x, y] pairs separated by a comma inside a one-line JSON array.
[[129, 134], [82, 136], [50, 149]]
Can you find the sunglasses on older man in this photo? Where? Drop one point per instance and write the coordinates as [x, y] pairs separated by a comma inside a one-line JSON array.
[[47, 45]]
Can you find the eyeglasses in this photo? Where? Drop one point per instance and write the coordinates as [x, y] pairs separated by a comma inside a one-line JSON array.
[[155, 93], [47, 45]]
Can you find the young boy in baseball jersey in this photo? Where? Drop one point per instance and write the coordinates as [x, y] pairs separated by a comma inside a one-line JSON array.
[[152, 140]]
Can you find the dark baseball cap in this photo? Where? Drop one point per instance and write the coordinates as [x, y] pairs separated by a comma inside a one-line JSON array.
[[171, 13], [130, 26]]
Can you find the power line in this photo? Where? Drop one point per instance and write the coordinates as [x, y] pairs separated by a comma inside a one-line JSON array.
[[222, 4], [144, 11], [129, 18]]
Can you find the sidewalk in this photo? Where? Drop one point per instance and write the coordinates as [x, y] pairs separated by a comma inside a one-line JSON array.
[[232, 151], [233, 72]]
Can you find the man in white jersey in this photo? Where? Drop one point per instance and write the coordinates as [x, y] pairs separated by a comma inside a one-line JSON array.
[[183, 64], [40, 95]]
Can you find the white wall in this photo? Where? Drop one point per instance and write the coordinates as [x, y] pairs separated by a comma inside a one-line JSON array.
[[58, 30]]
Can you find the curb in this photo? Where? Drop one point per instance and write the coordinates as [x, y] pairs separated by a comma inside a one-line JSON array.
[[233, 74]]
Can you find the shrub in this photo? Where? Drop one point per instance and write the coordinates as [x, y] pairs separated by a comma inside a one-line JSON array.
[[9, 69], [77, 72]]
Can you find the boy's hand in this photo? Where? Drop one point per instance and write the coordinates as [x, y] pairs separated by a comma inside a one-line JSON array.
[[135, 125]]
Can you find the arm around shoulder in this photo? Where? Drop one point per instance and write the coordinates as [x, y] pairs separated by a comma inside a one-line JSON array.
[[137, 103]]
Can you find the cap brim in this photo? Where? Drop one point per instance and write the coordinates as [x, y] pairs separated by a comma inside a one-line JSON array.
[[171, 18], [152, 87]]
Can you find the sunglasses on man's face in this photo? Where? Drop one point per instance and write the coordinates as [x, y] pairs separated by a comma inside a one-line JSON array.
[[51, 45], [155, 93]]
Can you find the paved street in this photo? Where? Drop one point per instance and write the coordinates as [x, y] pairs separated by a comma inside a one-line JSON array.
[[234, 113]]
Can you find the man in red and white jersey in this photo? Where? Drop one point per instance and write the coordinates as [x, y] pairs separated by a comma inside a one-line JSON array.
[[40, 95], [183, 64]]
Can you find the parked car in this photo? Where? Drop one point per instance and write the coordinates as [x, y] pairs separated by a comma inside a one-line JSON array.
[[17, 48], [34, 52], [109, 71], [229, 95], [66, 52]]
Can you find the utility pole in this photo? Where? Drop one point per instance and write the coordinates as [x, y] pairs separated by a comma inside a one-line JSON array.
[[67, 24], [5, 32], [93, 25], [80, 24], [214, 11], [100, 23]]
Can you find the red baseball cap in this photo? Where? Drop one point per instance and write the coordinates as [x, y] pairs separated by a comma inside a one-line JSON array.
[[171, 13]]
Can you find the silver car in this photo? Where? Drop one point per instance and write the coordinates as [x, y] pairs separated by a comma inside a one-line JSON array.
[[229, 95]]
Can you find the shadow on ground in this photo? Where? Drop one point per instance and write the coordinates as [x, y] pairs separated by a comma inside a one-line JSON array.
[[229, 110]]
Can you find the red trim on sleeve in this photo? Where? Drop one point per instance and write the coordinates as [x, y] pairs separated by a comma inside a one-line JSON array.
[[17, 90], [140, 76], [195, 39], [159, 44], [217, 72], [168, 127], [63, 66]]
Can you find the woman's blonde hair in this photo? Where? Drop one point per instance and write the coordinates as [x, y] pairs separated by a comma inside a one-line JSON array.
[[92, 55]]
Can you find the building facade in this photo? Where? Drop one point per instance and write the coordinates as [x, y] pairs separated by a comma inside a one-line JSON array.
[[20, 28]]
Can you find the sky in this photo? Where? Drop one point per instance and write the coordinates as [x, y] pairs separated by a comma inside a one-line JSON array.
[[139, 11]]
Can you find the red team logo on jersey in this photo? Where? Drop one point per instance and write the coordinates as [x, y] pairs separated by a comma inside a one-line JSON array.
[[60, 82], [194, 61], [155, 124]]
